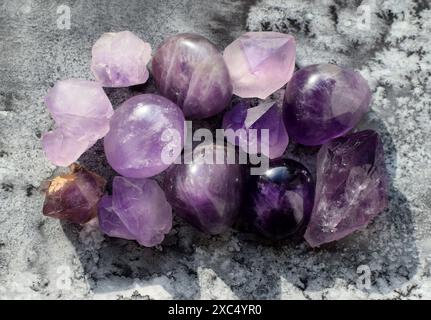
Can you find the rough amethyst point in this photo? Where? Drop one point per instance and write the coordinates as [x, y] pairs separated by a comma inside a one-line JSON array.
[[268, 115], [120, 59], [351, 187], [81, 111], [323, 102], [260, 63], [137, 210], [142, 129], [189, 70], [280, 201], [208, 196], [74, 196]]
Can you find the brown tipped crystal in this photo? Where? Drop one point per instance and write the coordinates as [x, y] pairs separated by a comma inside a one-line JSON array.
[[74, 196]]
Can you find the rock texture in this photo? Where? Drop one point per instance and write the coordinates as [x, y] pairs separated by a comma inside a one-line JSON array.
[[392, 52]]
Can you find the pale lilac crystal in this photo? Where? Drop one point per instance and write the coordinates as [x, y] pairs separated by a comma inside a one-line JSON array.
[[260, 63], [120, 59], [351, 187], [81, 111], [206, 193], [189, 70], [323, 102], [137, 210], [146, 136], [246, 124]]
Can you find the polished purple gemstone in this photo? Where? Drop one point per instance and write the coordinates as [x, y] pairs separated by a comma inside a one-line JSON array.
[[74, 196], [247, 124], [280, 201], [146, 136], [137, 210], [119, 59], [323, 102], [81, 111], [260, 63], [206, 195], [190, 70], [351, 187]]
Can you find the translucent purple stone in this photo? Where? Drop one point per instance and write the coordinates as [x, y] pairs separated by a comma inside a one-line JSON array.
[[81, 111], [146, 136], [119, 59], [323, 102], [351, 187], [189, 70], [247, 123], [74, 196], [280, 201], [137, 210], [208, 196], [260, 63]]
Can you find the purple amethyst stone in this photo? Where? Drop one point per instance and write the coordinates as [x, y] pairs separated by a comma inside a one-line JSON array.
[[206, 195], [146, 136], [323, 102], [280, 201], [351, 187], [137, 210], [189, 70]]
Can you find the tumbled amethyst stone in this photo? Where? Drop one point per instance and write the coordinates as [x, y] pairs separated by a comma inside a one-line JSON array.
[[206, 195], [137, 210], [280, 201], [189, 70], [351, 187], [146, 136], [247, 123], [323, 102]]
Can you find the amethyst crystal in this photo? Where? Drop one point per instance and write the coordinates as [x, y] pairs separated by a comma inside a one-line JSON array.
[[265, 116], [189, 70], [74, 196], [81, 111], [280, 201], [146, 136], [260, 63], [119, 59], [207, 195], [137, 210], [323, 102], [351, 187]]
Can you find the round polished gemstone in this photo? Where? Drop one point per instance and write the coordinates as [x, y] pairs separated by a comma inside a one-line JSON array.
[[190, 70], [207, 195], [323, 102], [146, 136], [137, 210], [280, 201]]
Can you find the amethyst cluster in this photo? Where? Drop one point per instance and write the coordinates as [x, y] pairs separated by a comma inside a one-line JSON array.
[[208, 186]]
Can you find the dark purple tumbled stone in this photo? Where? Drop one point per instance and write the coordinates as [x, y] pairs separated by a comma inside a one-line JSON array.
[[208, 196], [323, 102], [189, 70], [280, 201], [351, 187]]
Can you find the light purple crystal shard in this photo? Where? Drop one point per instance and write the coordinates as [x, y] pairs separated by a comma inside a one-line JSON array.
[[206, 193], [81, 111], [190, 71], [323, 102], [246, 124], [137, 210], [120, 59], [260, 63], [146, 136], [351, 187]]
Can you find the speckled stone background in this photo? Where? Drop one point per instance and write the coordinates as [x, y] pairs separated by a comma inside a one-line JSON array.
[[387, 41]]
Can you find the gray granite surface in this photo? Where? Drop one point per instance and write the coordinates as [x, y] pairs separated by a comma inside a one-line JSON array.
[[387, 41]]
